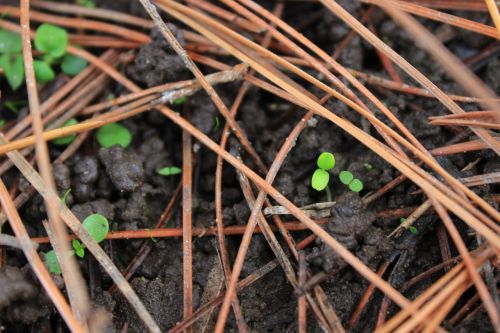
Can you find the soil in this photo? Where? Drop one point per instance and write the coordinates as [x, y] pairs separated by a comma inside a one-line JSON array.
[[123, 185]]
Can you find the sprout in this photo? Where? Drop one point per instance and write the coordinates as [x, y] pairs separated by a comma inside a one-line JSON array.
[[98, 228], [320, 179], [113, 134], [51, 40], [356, 185], [169, 171], [66, 140], [180, 100], [345, 177], [73, 65], [326, 161], [348, 179]]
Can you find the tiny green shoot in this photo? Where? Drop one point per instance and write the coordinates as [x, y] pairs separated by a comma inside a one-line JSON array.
[[73, 65], [2, 123], [321, 177], [326, 161], [217, 124], [97, 226], [52, 262], [51, 41], [169, 171], [411, 229], [368, 166], [180, 100], [65, 196], [68, 139], [345, 177], [356, 185], [113, 134], [86, 3]]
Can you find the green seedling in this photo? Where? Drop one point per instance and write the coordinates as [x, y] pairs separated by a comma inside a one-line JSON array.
[[65, 196], [169, 171], [51, 41], [180, 100], [113, 134], [96, 225], [411, 229], [321, 177], [347, 178], [52, 262], [2, 123], [68, 139], [86, 3], [11, 59], [217, 124]]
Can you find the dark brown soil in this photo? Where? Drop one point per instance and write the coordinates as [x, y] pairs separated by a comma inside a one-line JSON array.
[[123, 185]]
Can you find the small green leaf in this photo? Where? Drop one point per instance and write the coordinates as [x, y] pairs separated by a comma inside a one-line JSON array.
[[10, 42], [52, 262], [79, 249], [97, 226], [169, 171], [65, 196], [320, 179], [86, 3], [217, 124], [66, 140], [43, 72], [345, 177], [113, 134], [356, 185], [413, 230], [51, 39], [180, 100], [2, 123], [368, 166], [73, 65], [326, 161], [13, 67], [401, 220]]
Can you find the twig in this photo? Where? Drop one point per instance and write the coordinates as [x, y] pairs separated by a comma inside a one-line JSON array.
[[35, 261], [187, 203], [74, 281]]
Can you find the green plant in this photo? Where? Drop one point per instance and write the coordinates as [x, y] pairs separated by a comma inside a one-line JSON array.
[[411, 228], [52, 262], [11, 59], [66, 140], [65, 196], [113, 134], [169, 171], [321, 177], [96, 225], [180, 100], [51, 41], [347, 178], [86, 3]]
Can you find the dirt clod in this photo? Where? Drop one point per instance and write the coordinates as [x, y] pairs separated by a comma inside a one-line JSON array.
[[123, 168]]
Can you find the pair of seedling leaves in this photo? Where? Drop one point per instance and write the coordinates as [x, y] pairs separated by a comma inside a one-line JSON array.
[[51, 41], [321, 177], [96, 225]]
